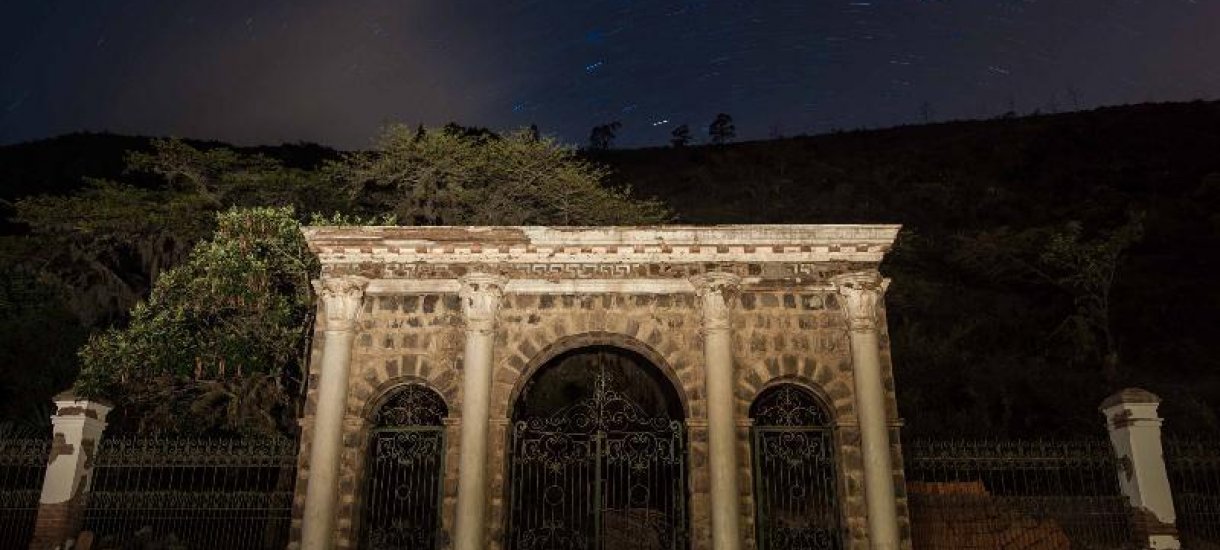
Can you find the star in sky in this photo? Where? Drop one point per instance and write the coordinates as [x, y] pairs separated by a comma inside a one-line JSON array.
[[334, 71]]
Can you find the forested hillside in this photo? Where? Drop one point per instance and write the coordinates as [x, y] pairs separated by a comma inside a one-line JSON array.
[[1045, 260]]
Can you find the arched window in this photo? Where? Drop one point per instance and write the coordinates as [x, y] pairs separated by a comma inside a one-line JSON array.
[[795, 486], [403, 488]]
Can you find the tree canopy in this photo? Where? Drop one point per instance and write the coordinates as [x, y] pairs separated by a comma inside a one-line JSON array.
[[449, 177], [224, 331], [220, 341]]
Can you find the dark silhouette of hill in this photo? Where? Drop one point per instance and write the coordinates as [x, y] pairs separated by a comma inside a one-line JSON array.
[[971, 350], [1003, 171], [978, 350], [61, 164]]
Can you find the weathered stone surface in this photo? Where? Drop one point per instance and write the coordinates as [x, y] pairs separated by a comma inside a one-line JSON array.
[[623, 287]]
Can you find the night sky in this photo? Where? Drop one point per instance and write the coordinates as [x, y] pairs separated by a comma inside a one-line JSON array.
[[332, 72]]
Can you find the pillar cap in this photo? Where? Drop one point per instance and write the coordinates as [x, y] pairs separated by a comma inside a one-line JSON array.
[[70, 396], [1130, 396]]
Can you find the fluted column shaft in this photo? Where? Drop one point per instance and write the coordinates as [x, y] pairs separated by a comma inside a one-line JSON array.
[[341, 298], [716, 291], [862, 292], [480, 300]]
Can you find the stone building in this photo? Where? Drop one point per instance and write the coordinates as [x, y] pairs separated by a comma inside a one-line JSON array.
[[610, 387]]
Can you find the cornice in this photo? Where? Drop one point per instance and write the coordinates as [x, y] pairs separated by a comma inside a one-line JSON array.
[[601, 245]]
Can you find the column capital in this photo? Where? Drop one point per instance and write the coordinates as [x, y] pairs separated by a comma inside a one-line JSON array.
[[68, 404], [341, 297], [716, 289], [481, 293], [863, 291], [81, 414], [1131, 407]]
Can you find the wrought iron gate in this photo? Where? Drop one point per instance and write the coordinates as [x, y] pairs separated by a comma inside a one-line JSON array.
[[402, 498], [598, 474], [794, 472]]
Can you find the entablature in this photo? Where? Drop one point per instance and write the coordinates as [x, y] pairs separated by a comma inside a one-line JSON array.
[[540, 258]]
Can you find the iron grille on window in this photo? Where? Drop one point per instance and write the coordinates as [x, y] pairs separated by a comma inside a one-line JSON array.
[[794, 471], [405, 464]]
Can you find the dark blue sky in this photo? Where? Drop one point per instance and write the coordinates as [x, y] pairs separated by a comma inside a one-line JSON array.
[[333, 71]]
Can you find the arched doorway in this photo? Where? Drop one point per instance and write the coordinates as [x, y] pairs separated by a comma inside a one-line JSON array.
[[598, 456], [795, 486], [405, 462]]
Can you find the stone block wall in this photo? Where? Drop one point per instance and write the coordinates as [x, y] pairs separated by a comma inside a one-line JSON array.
[[780, 335], [400, 340], [532, 329], [801, 337]]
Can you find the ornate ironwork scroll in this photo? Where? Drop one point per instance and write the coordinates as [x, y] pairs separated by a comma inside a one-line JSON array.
[[599, 473], [411, 406], [794, 472], [405, 465]]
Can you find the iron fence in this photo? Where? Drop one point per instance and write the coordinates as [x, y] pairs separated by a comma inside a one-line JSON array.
[[1194, 477], [192, 493], [1016, 494], [23, 462]]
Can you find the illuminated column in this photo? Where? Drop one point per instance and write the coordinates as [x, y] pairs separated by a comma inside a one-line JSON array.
[[862, 292], [1135, 433], [480, 295], [77, 427], [341, 298], [716, 289]]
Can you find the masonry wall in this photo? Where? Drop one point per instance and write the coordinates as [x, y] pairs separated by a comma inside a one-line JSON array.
[[400, 340], [778, 336], [786, 336]]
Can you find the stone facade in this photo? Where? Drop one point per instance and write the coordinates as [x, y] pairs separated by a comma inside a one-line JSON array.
[[563, 289]]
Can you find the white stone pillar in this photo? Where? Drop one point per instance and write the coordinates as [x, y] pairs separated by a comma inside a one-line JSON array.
[[716, 290], [341, 298], [480, 295], [862, 292], [77, 431], [1135, 432]]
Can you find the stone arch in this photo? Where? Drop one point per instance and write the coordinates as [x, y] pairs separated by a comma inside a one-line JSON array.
[[386, 390], [829, 384], [538, 419], [380, 380], [683, 386], [819, 394]]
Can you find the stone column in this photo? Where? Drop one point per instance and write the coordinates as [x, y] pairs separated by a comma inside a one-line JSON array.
[[77, 430], [341, 299], [862, 292], [716, 290], [1135, 432], [480, 295]]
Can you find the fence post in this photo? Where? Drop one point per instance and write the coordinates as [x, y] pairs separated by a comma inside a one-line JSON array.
[[77, 427], [1135, 432]]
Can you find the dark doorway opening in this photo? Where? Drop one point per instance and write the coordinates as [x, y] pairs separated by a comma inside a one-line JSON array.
[[598, 456]]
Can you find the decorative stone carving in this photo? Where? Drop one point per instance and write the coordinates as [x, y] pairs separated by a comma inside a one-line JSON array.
[[862, 291], [809, 272], [474, 310], [716, 290], [481, 293], [341, 297]]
